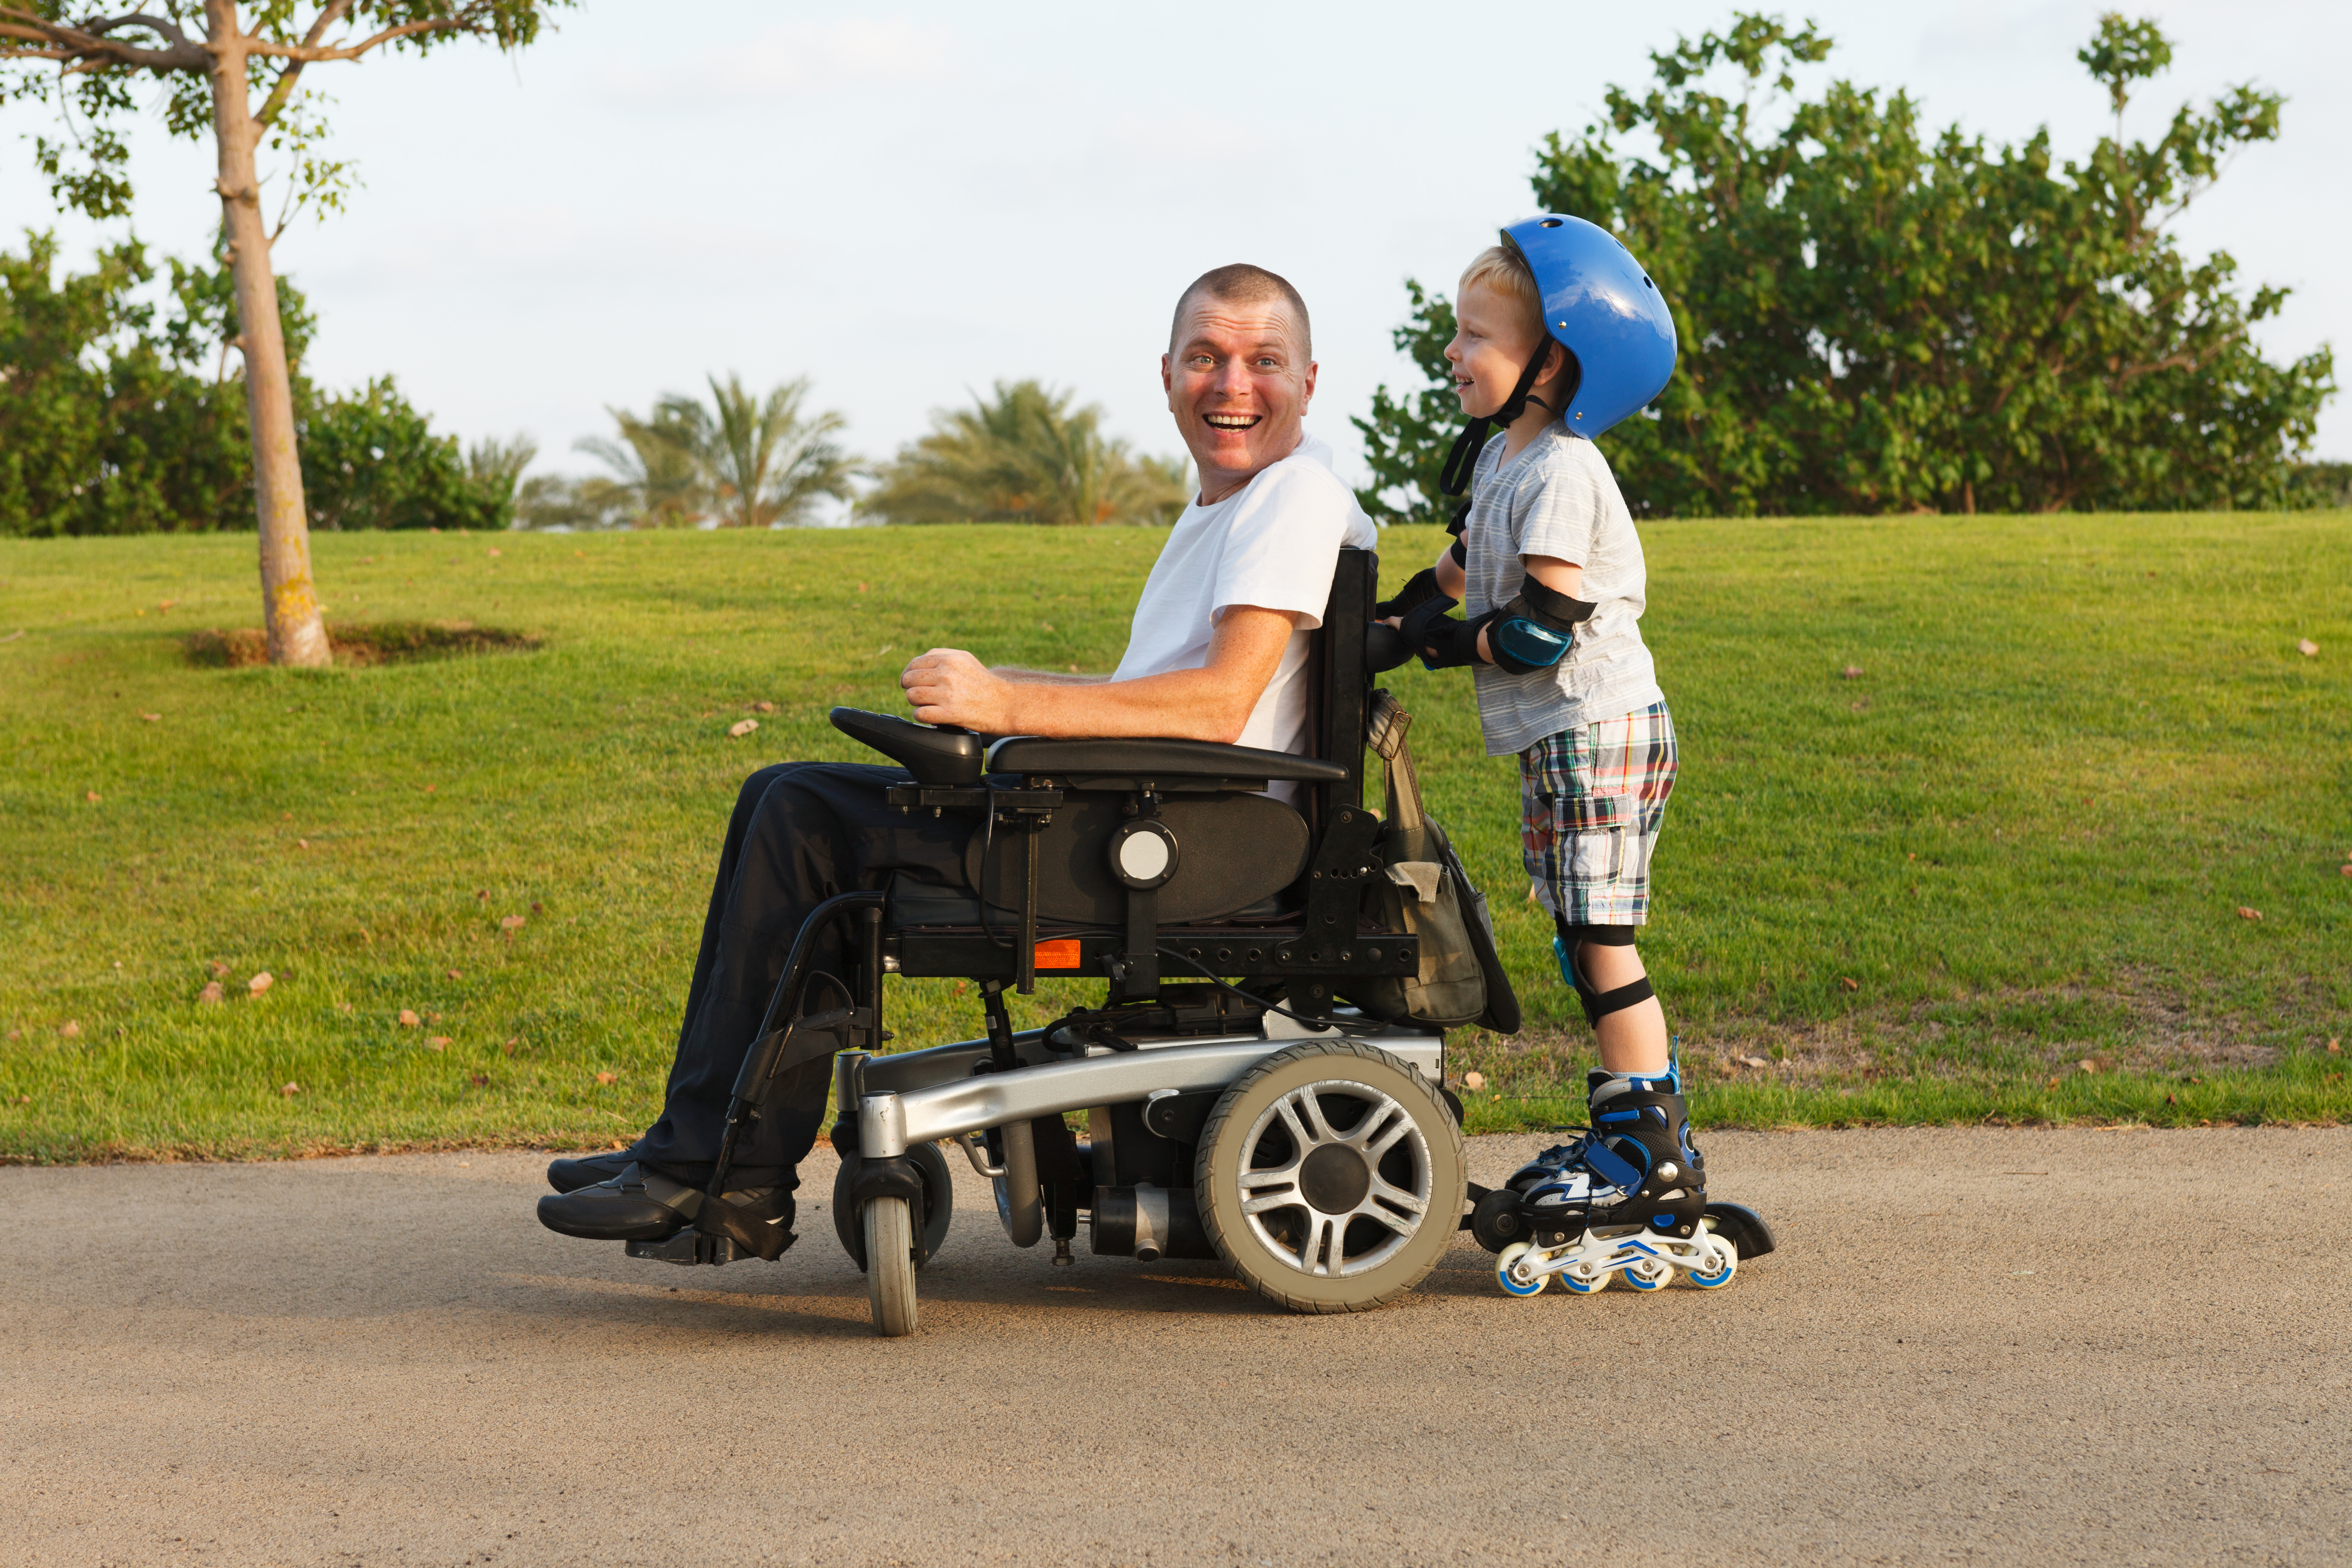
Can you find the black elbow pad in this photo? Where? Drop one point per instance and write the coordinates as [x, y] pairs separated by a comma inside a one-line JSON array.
[[1536, 629]]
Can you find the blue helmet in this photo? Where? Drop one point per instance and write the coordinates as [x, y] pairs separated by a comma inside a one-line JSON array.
[[1604, 309]]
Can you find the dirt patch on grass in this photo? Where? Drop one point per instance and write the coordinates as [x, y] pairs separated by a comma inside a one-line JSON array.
[[368, 643]]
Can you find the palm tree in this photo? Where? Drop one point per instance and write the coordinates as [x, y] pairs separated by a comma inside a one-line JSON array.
[[1026, 456], [742, 461], [654, 461], [764, 462]]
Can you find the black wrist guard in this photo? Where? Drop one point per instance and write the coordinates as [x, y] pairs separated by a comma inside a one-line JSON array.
[[1535, 630], [1419, 591], [1443, 642]]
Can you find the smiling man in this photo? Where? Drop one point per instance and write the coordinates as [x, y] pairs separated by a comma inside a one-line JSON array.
[[1217, 652]]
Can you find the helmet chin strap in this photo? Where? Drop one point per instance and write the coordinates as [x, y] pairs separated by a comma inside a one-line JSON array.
[[1454, 478]]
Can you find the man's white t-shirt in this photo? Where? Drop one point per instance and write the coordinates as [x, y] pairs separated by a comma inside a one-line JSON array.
[[1273, 543]]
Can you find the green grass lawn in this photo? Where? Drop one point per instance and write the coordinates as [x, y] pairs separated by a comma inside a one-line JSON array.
[[2017, 840]]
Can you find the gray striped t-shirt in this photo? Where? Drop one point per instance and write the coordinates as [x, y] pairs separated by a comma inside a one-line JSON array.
[[1558, 498]]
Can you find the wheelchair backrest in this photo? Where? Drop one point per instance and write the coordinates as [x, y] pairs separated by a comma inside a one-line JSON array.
[[1340, 682]]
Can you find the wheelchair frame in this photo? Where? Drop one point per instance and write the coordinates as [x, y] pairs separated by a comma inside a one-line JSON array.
[[1336, 1124]]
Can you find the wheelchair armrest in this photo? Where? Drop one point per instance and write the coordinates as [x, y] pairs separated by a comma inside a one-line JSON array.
[[935, 756], [1155, 758]]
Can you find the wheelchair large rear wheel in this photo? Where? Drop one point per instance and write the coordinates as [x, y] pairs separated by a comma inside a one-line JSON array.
[[890, 1265], [1330, 1177]]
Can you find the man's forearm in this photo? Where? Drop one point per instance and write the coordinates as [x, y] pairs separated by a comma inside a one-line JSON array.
[[1189, 704], [1022, 676]]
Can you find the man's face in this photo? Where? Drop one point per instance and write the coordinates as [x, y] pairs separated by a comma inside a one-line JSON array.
[[1238, 383]]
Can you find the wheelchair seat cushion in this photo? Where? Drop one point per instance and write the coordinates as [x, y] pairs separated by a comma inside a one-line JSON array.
[[1147, 758]]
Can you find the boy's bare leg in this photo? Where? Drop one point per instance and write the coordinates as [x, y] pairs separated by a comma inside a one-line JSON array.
[[1632, 1039]]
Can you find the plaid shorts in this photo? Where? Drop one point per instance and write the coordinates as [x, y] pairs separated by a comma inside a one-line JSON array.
[[1592, 801]]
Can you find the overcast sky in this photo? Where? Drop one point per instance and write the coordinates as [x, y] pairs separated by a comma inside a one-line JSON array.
[[915, 200]]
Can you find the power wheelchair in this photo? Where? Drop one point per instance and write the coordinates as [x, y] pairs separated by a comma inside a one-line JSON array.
[[1255, 1089]]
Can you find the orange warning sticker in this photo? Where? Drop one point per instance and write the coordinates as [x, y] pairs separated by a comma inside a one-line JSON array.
[[1061, 954]]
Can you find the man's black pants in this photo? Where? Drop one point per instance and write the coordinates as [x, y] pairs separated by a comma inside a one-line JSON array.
[[801, 832]]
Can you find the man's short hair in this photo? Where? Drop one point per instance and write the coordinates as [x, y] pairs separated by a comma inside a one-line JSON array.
[[1242, 284], [1502, 269]]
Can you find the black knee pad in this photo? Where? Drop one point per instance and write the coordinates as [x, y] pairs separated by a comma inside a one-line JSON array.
[[1599, 1004]]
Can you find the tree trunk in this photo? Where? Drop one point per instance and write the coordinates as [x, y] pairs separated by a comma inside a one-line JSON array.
[[290, 602]]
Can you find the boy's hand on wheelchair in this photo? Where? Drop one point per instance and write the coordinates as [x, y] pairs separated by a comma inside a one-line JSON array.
[[949, 686]]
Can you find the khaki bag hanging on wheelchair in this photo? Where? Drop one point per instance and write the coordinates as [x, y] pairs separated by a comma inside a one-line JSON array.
[[1426, 892]]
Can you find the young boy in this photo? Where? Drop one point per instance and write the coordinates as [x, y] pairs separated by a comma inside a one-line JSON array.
[[1561, 335]]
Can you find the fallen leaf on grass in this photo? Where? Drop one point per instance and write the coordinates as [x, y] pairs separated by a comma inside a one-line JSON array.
[[1851, 672], [153, 718], [430, 788], [496, 551], [409, 1020], [512, 922], [1474, 1080], [482, 1077], [763, 708], [220, 970], [482, 893], [1848, 983], [2092, 1064], [742, 726], [2308, 648], [455, 976], [2053, 1083], [2336, 1045], [259, 984], [345, 1007], [301, 843], [439, 1043], [291, 1091], [537, 908], [71, 1030], [1752, 1061], [2245, 913], [211, 993], [607, 1076], [511, 1045], [91, 795]]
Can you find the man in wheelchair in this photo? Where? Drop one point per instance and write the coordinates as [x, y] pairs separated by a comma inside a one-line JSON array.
[[1219, 652]]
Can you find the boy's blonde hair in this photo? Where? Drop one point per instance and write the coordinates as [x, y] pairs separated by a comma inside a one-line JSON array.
[[1502, 269]]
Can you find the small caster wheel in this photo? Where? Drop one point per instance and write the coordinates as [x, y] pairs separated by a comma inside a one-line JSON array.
[[1495, 1223], [1650, 1274], [1513, 1277], [1717, 1274]]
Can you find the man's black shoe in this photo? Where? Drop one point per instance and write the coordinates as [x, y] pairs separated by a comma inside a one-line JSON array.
[[587, 1169], [639, 1204]]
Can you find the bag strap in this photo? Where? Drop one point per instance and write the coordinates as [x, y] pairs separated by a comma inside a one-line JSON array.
[[1385, 732]]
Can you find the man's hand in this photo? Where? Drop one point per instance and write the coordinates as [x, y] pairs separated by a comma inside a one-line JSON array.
[[947, 686]]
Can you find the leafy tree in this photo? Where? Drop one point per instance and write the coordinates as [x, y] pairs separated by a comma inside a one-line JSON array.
[[1875, 319], [112, 422], [370, 460], [1026, 456], [212, 59], [107, 425]]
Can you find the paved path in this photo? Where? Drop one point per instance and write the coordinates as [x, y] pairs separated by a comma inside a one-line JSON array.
[[1974, 1346]]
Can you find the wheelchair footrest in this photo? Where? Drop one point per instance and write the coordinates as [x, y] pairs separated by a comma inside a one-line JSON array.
[[688, 1248]]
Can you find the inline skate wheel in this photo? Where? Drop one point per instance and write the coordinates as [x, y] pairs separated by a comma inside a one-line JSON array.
[[1726, 1263], [1579, 1278], [1650, 1274], [1515, 1279]]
